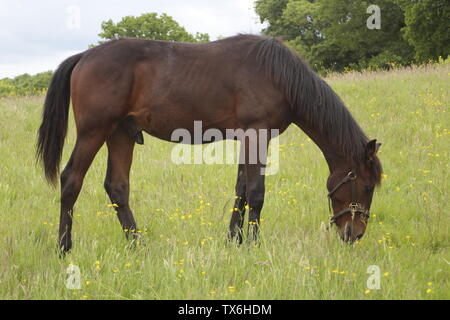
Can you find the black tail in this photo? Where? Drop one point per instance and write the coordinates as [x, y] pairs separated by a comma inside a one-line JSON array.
[[52, 132]]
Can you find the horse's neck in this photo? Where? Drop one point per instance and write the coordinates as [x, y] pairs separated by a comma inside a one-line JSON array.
[[331, 153]]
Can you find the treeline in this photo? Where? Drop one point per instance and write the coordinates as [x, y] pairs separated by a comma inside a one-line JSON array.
[[25, 85], [333, 35]]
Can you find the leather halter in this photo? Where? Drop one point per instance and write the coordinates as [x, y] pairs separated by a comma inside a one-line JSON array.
[[354, 207]]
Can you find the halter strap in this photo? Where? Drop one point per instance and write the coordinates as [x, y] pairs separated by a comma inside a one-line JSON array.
[[351, 176]]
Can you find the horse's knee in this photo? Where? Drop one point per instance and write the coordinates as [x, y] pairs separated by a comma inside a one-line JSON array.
[[117, 192], [255, 199]]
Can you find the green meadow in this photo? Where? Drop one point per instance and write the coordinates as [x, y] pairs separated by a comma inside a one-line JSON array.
[[183, 212]]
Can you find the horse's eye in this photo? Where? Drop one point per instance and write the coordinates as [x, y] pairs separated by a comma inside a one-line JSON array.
[[368, 189]]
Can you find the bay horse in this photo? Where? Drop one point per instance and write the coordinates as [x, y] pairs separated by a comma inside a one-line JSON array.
[[129, 86]]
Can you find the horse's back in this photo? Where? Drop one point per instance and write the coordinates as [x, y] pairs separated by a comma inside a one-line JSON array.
[[169, 85]]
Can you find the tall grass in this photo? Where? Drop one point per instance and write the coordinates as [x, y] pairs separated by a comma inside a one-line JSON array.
[[183, 213]]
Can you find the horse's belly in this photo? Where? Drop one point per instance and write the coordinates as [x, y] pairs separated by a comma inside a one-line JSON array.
[[170, 121]]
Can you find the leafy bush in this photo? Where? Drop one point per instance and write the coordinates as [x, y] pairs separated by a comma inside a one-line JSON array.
[[26, 85], [385, 61]]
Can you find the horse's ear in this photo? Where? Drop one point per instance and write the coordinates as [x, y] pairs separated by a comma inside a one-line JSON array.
[[372, 148]]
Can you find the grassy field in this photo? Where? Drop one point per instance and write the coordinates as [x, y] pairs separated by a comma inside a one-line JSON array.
[[183, 212]]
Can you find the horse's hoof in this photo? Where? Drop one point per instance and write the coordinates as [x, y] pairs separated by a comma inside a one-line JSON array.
[[235, 238]]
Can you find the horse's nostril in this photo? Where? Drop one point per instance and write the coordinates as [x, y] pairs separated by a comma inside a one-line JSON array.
[[359, 236]]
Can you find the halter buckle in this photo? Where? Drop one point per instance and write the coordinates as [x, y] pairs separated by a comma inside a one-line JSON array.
[[354, 207], [352, 176]]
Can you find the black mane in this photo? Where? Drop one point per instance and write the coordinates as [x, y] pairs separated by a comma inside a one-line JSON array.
[[313, 99]]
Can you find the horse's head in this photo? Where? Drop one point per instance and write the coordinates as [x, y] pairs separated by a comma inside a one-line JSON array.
[[350, 194]]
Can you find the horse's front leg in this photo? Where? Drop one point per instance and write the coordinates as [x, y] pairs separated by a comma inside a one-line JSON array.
[[255, 198], [238, 211], [255, 167]]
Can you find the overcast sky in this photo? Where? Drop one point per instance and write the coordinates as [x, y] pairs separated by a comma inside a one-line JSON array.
[[36, 36]]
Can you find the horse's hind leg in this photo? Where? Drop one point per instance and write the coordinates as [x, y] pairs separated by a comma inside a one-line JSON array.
[[86, 147], [120, 156], [238, 215]]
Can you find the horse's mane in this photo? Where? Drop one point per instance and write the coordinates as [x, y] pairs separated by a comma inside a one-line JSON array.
[[313, 99]]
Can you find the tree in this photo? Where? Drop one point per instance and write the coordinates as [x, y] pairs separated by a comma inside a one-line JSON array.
[[271, 11], [347, 42], [333, 34], [25, 84], [149, 26], [427, 28]]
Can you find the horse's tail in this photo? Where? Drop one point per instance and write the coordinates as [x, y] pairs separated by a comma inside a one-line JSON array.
[[53, 129]]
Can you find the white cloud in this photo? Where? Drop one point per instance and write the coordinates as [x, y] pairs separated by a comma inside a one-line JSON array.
[[34, 36], [33, 66]]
